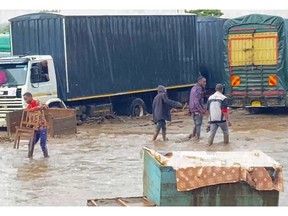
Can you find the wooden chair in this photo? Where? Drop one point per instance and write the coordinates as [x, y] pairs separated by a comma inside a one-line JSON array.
[[26, 130]]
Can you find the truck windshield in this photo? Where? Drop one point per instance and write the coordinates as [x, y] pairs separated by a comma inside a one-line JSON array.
[[13, 74]]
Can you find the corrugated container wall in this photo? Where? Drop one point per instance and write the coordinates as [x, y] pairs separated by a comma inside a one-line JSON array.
[[211, 48], [112, 54]]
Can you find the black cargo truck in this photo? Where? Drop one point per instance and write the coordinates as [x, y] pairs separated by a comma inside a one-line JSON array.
[[115, 62]]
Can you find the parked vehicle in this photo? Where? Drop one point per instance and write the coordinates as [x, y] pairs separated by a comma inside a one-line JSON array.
[[256, 61], [100, 64], [211, 50], [5, 45]]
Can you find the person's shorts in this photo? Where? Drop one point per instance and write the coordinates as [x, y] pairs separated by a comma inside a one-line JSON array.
[[160, 125]]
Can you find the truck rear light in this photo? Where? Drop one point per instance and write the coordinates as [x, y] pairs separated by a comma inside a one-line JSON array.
[[235, 80], [272, 80]]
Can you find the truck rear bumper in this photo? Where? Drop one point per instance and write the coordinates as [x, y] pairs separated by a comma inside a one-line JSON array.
[[254, 101]]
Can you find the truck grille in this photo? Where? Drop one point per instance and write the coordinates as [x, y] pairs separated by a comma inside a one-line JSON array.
[[9, 105]]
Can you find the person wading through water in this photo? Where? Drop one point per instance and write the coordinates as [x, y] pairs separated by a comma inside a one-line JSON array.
[[42, 131], [161, 109], [218, 114], [196, 107]]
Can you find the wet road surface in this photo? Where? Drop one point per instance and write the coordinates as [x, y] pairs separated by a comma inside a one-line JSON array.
[[105, 161]]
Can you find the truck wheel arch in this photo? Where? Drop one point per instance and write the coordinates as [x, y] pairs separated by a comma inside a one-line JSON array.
[[137, 107], [56, 103]]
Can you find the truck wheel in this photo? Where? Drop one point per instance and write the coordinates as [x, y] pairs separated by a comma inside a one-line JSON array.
[[137, 107], [83, 117], [254, 111]]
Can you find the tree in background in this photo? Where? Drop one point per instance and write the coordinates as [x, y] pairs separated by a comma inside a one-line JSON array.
[[50, 11], [216, 13]]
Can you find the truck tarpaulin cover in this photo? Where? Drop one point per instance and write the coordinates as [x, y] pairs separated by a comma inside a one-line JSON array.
[[211, 48], [258, 23], [103, 55]]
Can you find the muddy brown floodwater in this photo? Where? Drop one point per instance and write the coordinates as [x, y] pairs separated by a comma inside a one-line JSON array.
[[105, 160]]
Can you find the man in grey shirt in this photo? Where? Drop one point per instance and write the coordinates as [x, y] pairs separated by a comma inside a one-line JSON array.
[[196, 107]]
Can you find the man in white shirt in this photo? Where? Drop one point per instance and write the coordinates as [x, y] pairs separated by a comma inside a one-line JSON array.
[[218, 114]]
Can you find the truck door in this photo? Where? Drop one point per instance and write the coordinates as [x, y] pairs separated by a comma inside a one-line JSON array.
[[253, 61], [41, 82]]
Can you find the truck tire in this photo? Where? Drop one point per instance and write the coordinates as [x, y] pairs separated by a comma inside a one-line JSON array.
[[83, 109], [137, 107], [254, 111], [83, 117]]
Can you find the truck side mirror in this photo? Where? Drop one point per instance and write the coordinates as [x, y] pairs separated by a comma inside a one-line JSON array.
[[35, 75]]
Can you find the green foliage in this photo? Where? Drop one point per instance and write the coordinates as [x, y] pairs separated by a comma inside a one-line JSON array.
[[50, 11], [5, 29], [216, 13]]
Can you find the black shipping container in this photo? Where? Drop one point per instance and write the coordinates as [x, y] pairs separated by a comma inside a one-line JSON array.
[[103, 55], [211, 49]]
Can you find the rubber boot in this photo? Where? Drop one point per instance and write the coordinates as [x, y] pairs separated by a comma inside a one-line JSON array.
[[164, 135], [155, 136], [226, 139]]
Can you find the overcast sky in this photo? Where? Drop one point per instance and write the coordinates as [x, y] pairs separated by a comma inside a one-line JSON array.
[[5, 15]]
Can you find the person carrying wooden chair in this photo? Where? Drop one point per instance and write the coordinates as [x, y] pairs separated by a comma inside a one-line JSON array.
[[42, 131]]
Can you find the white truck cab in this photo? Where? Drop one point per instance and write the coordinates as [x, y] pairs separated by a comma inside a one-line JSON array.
[[20, 74]]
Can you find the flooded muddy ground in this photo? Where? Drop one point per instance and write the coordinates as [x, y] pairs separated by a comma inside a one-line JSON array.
[[105, 160]]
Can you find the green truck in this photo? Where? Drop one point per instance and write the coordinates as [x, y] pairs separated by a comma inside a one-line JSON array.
[[5, 45], [255, 59]]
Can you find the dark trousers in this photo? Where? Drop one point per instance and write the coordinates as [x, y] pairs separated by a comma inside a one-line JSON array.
[[42, 136], [197, 118], [161, 124]]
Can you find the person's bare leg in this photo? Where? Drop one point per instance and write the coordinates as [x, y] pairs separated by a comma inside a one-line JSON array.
[[157, 130], [164, 135], [155, 136]]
